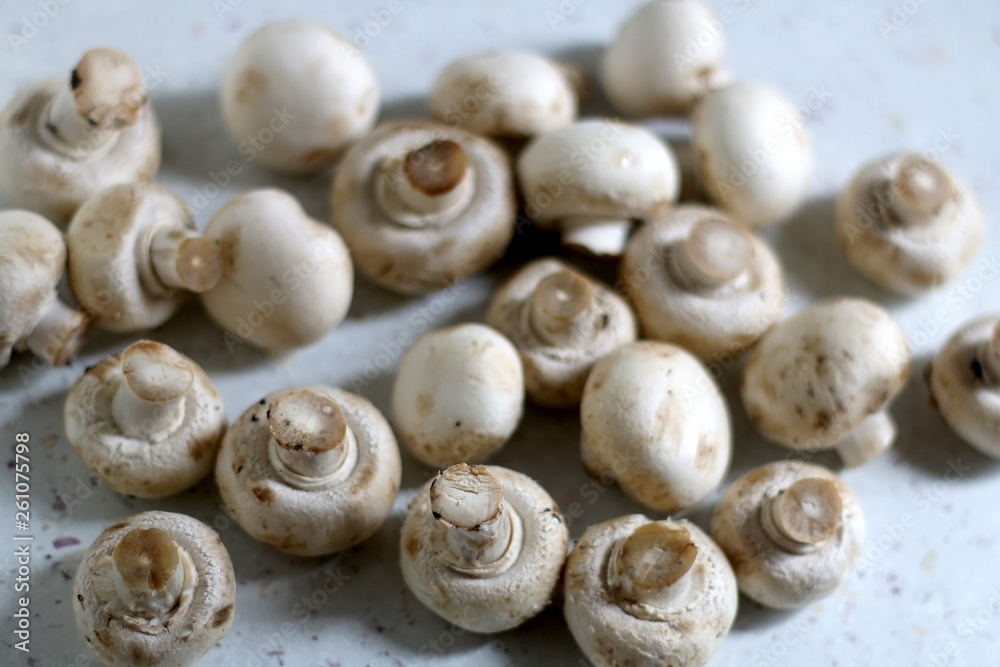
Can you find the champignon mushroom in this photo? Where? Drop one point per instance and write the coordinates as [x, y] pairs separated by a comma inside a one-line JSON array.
[[824, 378], [561, 322], [590, 179], [754, 158], [641, 592], [147, 421], [287, 279], [154, 590], [296, 94], [32, 260], [423, 206], [134, 257], [701, 280], [664, 58], [62, 141], [964, 380], [792, 530], [908, 224], [483, 547], [309, 470], [654, 420]]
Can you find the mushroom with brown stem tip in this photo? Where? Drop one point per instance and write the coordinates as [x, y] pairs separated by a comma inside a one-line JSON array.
[[135, 257], [964, 380], [309, 470], [792, 530], [147, 421], [483, 547], [61, 141], [154, 590], [423, 206], [561, 321], [701, 280], [824, 378], [908, 224], [641, 592], [654, 420]]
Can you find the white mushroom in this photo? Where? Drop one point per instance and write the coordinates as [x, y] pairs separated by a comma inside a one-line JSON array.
[[641, 592], [134, 257], [296, 94], [147, 421], [754, 157], [590, 179], [654, 420], [561, 321], [459, 395], [154, 590], [701, 280], [483, 547], [793, 531], [666, 55], [908, 224], [32, 260], [63, 140], [824, 378], [309, 470], [287, 279], [965, 383], [423, 206]]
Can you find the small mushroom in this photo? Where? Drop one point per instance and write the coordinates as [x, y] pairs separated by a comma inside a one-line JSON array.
[[287, 279], [590, 179], [483, 547], [792, 530], [663, 59], [154, 590], [965, 383], [32, 260], [134, 257], [824, 378], [423, 206], [908, 224], [61, 141], [296, 94], [754, 158], [641, 592], [147, 421], [459, 395], [654, 420], [701, 280], [561, 322], [309, 470]]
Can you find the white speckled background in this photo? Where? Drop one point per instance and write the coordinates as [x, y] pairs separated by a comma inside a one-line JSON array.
[[929, 593]]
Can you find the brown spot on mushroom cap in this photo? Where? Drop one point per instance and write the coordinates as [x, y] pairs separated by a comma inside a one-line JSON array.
[[222, 616], [303, 420], [809, 511], [263, 494], [252, 83], [146, 558], [156, 372], [436, 168]]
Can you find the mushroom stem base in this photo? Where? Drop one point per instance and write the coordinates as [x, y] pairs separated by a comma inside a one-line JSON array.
[[183, 259], [59, 335], [869, 439]]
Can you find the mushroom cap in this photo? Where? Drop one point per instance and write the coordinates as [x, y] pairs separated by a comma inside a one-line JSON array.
[[188, 631], [287, 279], [907, 259], [459, 395], [609, 634], [649, 68], [140, 466], [554, 375], [767, 573], [410, 259], [712, 323], [958, 382], [500, 600], [654, 419], [307, 86], [813, 377], [309, 521], [504, 94], [754, 158]]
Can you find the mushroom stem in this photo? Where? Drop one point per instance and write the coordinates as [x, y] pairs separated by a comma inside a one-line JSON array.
[[562, 310], [869, 439], [311, 437], [68, 130], [149, 402], [60, 334], [597, 236], [918, 191], [183, 259], [469, 501], [426, 183], [148, 571], [714, 254], [802, 516], [989, 357], [653, 565]]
